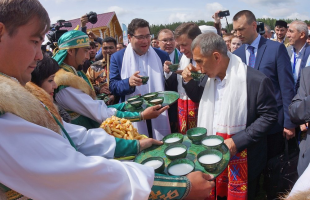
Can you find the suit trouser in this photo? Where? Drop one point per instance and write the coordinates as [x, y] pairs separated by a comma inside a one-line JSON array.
[[275, 144]]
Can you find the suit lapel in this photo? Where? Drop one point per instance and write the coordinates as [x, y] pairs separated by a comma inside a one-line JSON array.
[[304, 59], [243, 54], [260, 52]]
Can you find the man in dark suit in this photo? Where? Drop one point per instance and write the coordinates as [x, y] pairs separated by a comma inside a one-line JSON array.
[[270, 58], [298, 50], [222, 68], [299, 113], [139, 59]]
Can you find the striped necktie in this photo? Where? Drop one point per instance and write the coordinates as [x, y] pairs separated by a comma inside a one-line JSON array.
[[252, 56]]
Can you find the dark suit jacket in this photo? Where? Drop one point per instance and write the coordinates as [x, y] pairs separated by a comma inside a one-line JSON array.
[[300, 113], [272, 59], [303, 60], [119, 86], [262, 116]]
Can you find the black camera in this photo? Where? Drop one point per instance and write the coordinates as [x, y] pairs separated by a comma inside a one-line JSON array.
[[260, 28], [224, 13], [92, 17], [54, 34]]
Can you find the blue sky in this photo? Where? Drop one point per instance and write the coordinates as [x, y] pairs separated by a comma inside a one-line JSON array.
[[167, 11]]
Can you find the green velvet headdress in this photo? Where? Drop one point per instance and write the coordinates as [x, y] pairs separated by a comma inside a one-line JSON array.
[[70, 40]]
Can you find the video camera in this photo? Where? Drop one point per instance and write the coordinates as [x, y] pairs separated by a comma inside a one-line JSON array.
[[54, 34], [260, 28]]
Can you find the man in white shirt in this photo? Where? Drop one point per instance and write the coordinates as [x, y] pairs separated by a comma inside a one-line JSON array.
[[39, 161], [299, 48], [238, 104]]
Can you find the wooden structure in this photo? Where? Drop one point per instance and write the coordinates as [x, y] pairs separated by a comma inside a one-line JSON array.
[[107, 25]]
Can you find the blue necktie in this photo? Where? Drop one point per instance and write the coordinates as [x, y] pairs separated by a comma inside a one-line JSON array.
[[252, 56]]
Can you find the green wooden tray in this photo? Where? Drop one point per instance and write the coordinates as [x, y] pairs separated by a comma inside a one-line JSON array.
[[192, 152], [170, 97]]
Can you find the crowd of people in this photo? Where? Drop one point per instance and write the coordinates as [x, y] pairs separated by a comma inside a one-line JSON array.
[[254, 93]]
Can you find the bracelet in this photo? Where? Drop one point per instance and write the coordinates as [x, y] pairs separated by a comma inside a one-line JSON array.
[[141, 116]]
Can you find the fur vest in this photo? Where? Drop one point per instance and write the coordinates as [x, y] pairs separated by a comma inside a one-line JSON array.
[[64, 78]]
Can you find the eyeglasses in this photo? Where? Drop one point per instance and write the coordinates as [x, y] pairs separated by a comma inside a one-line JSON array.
[[167, 40], [141, 37], [110, 47]]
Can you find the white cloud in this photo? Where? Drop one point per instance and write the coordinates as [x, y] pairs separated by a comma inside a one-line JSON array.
[[213, 7], [296, 15], [267, 2], [119, 11], [181, 17], [280, 12]]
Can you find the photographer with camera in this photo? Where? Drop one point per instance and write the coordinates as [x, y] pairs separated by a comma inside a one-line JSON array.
[[92, 18]]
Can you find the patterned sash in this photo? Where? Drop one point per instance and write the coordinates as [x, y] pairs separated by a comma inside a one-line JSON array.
[[187, 114], [233, 181]]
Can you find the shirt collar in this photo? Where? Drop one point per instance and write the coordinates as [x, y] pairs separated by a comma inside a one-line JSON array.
[[254, 43], [301, 50]]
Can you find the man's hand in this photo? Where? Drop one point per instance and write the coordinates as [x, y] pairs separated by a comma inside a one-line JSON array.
[[84, 20], [153, 111], [135, 80], [105, 89], [304, 127], [92, 35], [231, 146], [148, 142], [216, 17], [289, 133], [200, 185], [111, 99], [186, 74], [166, 66]]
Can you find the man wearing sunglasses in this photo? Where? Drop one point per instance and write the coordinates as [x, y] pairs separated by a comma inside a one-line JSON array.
[[140, 59]]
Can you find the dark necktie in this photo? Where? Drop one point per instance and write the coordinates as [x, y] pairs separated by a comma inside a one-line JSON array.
[[252, 56]]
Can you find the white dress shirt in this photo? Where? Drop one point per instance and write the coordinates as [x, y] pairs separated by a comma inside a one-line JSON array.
[[253, 44], [219, 91], [298, 56]]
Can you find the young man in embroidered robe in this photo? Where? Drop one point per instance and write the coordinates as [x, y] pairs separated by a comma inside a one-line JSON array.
[[37, 158], [75, 92], [238, 104]]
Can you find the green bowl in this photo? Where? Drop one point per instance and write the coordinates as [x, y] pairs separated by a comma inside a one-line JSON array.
[[181, 161], [196, 134], [136, 103], [210, 153], [144, 79], [212, 146], [156, 100], [173, 135], [173, 67], [150, 96], [133, 98], [101, 96], [160, 169], [173, 157], [197, 75]]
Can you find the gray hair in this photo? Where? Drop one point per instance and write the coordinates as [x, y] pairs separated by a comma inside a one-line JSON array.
[[300, 26], [268, 28], [208, 43]]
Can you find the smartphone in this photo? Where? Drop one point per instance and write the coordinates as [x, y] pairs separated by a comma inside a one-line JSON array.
[[224, 13]]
